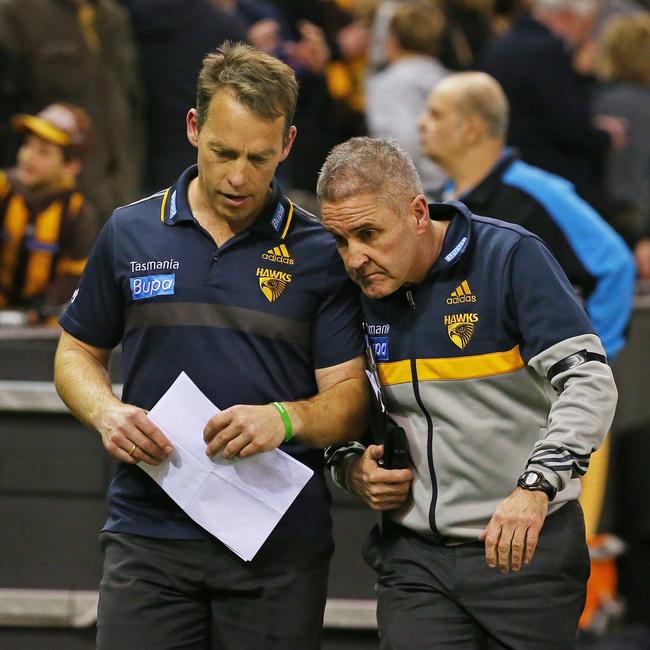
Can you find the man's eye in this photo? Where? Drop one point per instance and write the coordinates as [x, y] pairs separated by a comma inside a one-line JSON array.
[[340, 242], [367, 235]]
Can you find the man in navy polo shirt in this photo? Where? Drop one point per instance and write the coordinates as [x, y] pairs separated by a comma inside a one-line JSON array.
[[223, 277]]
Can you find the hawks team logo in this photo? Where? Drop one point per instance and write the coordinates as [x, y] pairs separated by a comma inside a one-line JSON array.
[[273, 283], [461, 328]]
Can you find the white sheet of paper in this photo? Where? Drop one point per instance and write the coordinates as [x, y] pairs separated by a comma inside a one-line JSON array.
[[239, 501]]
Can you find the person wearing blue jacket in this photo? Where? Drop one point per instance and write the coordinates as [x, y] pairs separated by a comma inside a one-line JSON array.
[[463, 129]]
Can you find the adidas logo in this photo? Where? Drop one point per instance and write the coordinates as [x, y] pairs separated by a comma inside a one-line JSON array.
[[278, 254], [462, 293]]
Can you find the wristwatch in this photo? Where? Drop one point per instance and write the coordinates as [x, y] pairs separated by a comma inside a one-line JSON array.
[[533, 480]]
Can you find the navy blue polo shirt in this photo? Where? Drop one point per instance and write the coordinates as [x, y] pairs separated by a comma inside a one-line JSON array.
[[248, 321]]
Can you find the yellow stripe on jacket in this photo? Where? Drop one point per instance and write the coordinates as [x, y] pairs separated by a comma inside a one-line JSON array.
[[452, 368]]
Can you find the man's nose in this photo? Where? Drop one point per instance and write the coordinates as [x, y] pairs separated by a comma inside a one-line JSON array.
[[237, 173], [357, 256], [420, 122]]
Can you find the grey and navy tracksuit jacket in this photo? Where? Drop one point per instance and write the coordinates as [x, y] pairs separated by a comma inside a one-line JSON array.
[[464, 360]]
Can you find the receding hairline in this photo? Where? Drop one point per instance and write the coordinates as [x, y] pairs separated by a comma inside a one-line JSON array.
[[231, 92], [479, 93], [258, 81], [464, 83]]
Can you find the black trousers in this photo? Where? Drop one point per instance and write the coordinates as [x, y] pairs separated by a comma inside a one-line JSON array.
[[438, 597], [160, 594]]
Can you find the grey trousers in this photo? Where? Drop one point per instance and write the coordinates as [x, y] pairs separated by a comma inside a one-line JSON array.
[[159, 594], [437, 597]]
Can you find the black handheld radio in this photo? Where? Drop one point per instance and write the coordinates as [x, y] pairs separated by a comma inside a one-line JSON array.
[[385, 430]]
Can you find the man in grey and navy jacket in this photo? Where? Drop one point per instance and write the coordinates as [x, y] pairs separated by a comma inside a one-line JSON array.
[[488, 361]]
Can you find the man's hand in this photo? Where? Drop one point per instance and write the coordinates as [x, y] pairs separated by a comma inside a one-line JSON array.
[[124, 426], [244, 430], [382, 489], [512, 534], [311, 51]]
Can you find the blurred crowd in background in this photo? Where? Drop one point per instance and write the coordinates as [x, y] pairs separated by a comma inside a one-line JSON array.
[[576, 74], [94, 94]]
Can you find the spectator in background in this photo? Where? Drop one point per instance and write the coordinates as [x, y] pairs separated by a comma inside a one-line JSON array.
[[266, 27], [610, 8], [173, 37], [397, 95], [348, 29], [550, 121], [504, 13], [467, 31], [626, 68], [463, 130], [82, 52], [47, 228]]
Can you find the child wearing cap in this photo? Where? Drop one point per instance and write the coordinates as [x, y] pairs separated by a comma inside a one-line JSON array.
[[47, 228]]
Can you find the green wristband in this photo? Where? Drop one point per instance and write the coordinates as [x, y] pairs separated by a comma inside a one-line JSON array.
[[288, 427]]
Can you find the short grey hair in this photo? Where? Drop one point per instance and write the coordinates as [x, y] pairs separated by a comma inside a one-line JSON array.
[[377, 166]]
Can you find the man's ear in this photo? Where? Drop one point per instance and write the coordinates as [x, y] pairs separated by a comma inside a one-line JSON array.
[[474, 127], [192, 124], [419, 209], [291, 137]]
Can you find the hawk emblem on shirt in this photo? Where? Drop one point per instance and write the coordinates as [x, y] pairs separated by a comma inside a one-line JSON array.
[[461, 333], [272, 289], [273, 283]]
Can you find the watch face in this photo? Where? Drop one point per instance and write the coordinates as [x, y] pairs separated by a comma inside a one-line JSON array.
[[531, 479]]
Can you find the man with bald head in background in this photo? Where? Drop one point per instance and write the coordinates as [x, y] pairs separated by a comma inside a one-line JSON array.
[[463, 129]]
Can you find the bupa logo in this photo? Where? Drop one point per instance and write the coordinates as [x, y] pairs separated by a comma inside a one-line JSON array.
[[172, 206], [149, 286], [380, 347], [276, 222]]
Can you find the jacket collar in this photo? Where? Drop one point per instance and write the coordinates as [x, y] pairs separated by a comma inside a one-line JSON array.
[[275, 219], [481, 194], [458, 233]]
